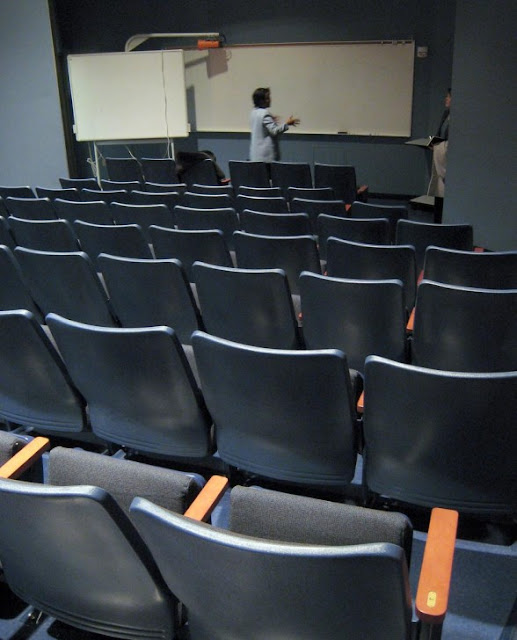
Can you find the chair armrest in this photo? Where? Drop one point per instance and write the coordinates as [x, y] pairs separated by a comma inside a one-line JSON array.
[[411, 322], [22, 460], [360, 404], [362, 193], [435, 575], [207, 499]]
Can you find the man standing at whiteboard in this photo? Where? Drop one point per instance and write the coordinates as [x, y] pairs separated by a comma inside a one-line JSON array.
[[265, 128]]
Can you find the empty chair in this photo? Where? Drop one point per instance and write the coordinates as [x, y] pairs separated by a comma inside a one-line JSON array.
[[275, 224], [6, 237], [212, 189], [104, 581], [465, 329], [206, 201], [79, 183], [260, 192], [66, 283], [188, 246], [286, 415], [423, 234], [247, 173], [356, 261], [485, 270], [314, 208], [365, 231], [113, 185], [124, 169], [65, 194], [147, 293], [143, 215], [251, 306], [161, 170], [369, 210], [291, 174], [44, 235], [311, 193], [342, 179], [126, 240], [94, 211], [157, 187], [30, 208], [35, 387], [260, 203], [360, 317], [108, 196], [197, 167], [169, 198], [293, 254], [196, 219], [3, 209], [16, 192], [300, 567], [140, 390], [14, 292], [432, 437]]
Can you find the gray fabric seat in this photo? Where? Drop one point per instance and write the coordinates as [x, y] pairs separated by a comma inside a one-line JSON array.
[[294, 567], [89, 567]]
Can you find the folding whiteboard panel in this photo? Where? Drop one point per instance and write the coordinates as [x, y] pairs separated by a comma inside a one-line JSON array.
[[359, 88], [128, 96]]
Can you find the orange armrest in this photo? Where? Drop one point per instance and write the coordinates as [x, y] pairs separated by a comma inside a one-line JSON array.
[[22, 460], [435, 575], [411, 322], [360, 403], [348, 207], [207, 499], [362, 188]]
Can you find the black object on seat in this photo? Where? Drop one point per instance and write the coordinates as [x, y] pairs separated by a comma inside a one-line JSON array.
[[195, 167], [293, 254], [44, 235], [275, 224], [189, 246], [423, 234], [249, 174], [94, 211], [286, 415], [127, 240], [161, 170], [296, 567], [35, 387], [147, 293], [140, 390], [465, 329], [124, 169], [356, 261], [366, 231], [249, 306], [30, 208], [360, 317], [484, 270], [66, 283], [90, 568], [391, 212], [441, 438]]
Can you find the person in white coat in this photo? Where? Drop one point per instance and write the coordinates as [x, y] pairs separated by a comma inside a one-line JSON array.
[[266, 128]]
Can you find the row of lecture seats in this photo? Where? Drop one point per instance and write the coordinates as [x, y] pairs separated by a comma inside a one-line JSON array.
[[455, 327], [121, 574], [146, 549]]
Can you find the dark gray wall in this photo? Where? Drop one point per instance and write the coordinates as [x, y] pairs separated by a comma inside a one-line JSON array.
[[481, 176], [385, 164], [32, 149]]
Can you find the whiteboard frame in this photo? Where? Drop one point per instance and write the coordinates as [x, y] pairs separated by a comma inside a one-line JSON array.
[[305, 80], [137, 95]]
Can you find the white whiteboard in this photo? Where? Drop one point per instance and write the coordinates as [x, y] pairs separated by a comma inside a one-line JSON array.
[[359, 88], [128, 96]]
